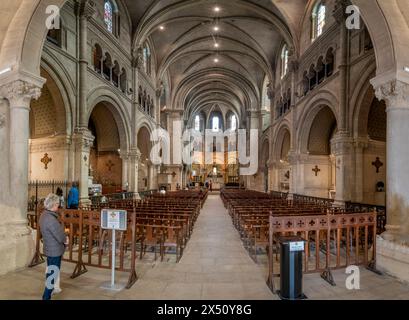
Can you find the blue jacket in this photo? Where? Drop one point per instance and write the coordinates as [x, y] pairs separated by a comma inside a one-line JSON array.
[[73, 197]]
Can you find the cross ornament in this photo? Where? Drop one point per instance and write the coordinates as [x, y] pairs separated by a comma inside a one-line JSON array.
[[46, 160], [110, 164], [377, 164], [316, 170]]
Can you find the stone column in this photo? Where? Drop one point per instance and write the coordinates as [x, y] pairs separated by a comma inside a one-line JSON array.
[[342, 148], [125, 170], [16, 245], [360, 145], [19, 95], [340, 16], [392, 246], [83, 140], [85, 11], [396, 96], [134, 158], [293, 161]]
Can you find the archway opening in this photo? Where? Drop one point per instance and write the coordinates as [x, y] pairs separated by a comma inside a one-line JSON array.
[[320, 171], [105, 161]]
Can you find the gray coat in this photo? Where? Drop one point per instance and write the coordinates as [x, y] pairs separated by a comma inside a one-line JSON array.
[[53, 234]]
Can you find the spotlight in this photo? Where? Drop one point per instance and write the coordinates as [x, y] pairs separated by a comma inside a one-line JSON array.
[[216, 28], [216, 45], [216, 60], [217, 9], [162, 28]]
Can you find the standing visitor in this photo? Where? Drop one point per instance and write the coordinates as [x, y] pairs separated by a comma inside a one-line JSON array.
[[60, 194], [73, 197], [54, 240]]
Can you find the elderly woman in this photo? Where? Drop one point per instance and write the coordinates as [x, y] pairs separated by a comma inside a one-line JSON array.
[[54, 240]]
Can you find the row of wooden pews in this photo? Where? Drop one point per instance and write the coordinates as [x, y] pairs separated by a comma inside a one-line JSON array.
[[251, 210], [161, 222], [335, 237]]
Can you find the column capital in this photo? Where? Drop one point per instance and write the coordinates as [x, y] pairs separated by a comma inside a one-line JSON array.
[[20, 93], [83, 138], [339, 12], [293, 157], [135, 154], [86, 9], [361, 143], [342, 144], [395, 93], [253, 113]]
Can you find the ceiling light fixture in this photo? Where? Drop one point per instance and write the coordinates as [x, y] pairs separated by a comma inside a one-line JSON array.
[[216, 60], [216, 28], [162, 28], [216, 45], [217, 9]]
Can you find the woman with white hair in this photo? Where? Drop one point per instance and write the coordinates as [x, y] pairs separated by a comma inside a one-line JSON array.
[[54, 239]]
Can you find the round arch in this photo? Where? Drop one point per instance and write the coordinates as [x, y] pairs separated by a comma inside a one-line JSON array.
[[320, 101], [282, 134], [103, 95]]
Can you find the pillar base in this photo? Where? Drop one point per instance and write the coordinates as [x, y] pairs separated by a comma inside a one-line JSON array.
[[85, 203], [392, 256], [17, 244]]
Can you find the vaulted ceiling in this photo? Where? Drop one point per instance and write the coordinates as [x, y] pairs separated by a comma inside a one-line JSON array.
[[204, 66]]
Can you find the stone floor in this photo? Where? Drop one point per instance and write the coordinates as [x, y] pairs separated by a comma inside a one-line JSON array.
[[214, 266]]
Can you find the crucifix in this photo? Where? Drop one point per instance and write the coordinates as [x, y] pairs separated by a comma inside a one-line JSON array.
[[46, 160], [316, 170], [110, 164], [377, 164]]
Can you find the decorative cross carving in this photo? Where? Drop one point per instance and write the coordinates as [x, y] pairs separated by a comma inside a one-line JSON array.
[[277, 225], [110, 164], [377, 164], [46, 160], [316, 170]]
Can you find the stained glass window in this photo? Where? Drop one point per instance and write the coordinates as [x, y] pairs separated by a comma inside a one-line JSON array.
[[147, 59], [215, 124], [108, 16], [318, 20], [197, 123], [284, 61], [233, 123]]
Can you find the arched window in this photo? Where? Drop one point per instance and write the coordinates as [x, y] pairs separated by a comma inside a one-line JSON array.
[[233, 123], [215, 124], [97, 58], [197, 123], [109, 16], [284, 61], [318, 20], [147, 59]]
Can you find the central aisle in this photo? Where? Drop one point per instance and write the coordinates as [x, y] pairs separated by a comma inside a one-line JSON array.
[[215, 265]]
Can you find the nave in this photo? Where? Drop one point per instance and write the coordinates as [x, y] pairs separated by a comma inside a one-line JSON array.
[[214, 266]]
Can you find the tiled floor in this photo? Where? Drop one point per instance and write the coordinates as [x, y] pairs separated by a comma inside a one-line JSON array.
[[215, 265]]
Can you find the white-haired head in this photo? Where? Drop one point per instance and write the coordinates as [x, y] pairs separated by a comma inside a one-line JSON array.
[[51, 201]]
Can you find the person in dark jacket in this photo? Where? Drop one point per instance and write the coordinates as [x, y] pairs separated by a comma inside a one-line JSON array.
[[54, 241], [73, 197]]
